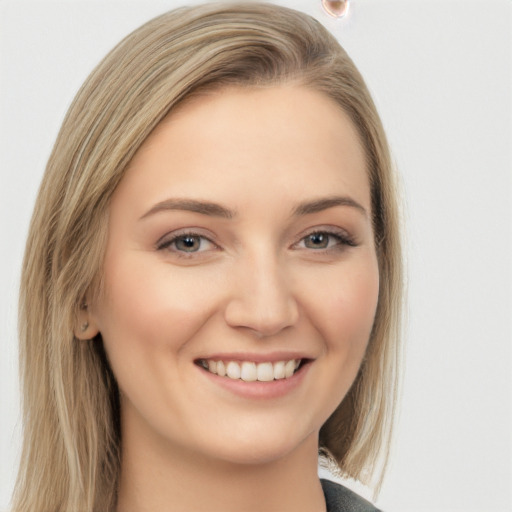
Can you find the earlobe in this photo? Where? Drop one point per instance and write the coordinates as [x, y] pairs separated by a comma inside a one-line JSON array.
[[85, 331], [85, 328]]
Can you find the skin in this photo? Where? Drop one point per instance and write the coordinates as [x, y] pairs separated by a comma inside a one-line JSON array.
[[254, 284]]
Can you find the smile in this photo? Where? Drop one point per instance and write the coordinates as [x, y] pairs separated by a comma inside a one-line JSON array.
[[249, 371]]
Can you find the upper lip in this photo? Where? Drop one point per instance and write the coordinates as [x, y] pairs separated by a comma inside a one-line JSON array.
[[272, 357]]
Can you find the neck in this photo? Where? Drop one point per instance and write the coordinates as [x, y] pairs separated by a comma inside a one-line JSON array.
[[169, 478]]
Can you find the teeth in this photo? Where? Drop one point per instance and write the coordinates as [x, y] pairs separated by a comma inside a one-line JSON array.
[[221, 369], [279, 370], [233, 370], [250, 372], [265, 372], [289, 368]]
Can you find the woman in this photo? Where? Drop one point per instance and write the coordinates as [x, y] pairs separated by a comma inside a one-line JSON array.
[[211, 287]]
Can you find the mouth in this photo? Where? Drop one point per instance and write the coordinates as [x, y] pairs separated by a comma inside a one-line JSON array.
[[250, 371]]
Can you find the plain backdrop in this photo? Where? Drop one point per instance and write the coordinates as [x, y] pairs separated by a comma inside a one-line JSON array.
[[440, 73]]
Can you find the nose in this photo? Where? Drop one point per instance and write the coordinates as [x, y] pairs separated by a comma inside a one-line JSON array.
[[261, 299]]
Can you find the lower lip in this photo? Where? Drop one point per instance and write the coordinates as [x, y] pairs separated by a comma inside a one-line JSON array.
[[259, 390]]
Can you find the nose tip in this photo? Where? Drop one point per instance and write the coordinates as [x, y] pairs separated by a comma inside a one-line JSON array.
[[265, 305], [264, 319]]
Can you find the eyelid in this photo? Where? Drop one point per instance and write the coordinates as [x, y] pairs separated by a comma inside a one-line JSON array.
[[169, 238], [345, 238]]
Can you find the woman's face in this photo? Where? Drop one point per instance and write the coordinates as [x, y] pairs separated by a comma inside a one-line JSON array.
[[240, 241]]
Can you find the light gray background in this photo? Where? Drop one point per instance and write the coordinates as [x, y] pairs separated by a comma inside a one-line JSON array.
[[440, 72]]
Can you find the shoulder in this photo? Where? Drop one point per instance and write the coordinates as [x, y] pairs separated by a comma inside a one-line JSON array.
[[341, 499]]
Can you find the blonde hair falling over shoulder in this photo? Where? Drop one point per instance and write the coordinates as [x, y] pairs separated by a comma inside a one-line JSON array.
[[71, 449]]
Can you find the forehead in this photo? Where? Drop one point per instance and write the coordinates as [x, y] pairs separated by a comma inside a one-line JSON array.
[[290, 137]]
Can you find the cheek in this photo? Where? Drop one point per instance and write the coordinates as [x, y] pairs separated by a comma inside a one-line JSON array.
[[146, 307], [347, 312], [341, 308]]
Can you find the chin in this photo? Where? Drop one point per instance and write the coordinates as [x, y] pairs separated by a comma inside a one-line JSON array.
[[263, 447]]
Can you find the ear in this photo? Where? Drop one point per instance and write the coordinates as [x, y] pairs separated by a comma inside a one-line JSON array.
[[85, 328]]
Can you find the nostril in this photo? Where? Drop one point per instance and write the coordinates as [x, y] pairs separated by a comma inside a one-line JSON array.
[[262, 320], [261, 299]]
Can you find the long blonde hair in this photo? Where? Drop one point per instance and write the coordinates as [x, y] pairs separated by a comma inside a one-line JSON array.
[[70, 459]]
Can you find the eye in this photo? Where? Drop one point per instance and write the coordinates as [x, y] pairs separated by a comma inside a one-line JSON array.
[[325, 240], [318, 240], [186, 243]]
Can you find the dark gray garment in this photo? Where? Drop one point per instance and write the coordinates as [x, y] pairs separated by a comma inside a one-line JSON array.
[[341, 499]]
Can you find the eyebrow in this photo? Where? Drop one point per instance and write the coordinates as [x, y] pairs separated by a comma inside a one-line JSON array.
[[319, 205], [191, 205], [216, 210]]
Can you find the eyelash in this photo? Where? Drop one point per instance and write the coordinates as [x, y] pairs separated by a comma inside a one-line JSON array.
[[167, 243], [342, 239]]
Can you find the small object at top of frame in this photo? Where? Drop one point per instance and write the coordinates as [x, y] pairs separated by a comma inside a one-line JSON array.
[[336, 8]]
